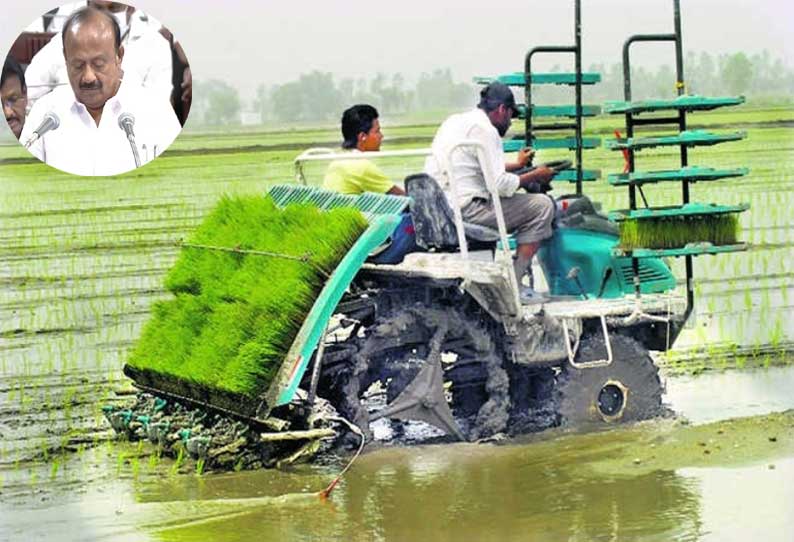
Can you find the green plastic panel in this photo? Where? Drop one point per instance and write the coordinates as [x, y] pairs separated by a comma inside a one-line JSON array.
[[691, 173], [517, 79], [697, 249], [568, 111], [686, 103], [569, 143], [690, 209], [689, 138], [369, 204], [570, 175], [383, 212], [291, 372]]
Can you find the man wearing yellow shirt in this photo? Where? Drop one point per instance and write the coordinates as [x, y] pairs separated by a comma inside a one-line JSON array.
[[361, 132]]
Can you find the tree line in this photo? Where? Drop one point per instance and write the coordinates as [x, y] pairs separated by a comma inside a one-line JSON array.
[[318, 97]]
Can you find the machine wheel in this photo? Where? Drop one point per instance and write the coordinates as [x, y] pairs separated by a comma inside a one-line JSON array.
[[414, 358], [628, 389]]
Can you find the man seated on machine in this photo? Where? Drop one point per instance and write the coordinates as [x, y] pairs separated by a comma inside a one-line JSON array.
[[361, 132], [527, 215]]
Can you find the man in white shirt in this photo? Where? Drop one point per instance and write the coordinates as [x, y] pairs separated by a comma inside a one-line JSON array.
[[147, 53], [89, 139], [527, 215]]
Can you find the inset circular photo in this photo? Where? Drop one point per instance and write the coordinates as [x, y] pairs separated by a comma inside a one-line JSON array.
[[96, 88]]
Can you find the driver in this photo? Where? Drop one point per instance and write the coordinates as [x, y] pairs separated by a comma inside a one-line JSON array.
[[528, 215]]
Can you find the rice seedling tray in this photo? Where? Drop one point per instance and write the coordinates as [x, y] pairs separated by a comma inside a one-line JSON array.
[[570, 175], [569, 143], [688, 210], [685, 103], [693, 224], [245, 319], [568, 111], [690, 138], [691, 173], [693, 249]]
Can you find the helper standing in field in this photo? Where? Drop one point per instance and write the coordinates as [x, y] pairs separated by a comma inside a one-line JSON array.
[[361, 133], [527, 215]]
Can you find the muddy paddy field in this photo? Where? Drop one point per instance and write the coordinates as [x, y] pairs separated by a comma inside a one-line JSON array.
[[81, 262]]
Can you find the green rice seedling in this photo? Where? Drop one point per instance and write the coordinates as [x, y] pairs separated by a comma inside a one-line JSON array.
[[234, 315], [748, 301], [777, 334], [180, 458], [200, 467], [54, 469], [722, 229]]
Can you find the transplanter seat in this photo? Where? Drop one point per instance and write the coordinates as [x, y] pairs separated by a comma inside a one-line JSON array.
[[434, 221]]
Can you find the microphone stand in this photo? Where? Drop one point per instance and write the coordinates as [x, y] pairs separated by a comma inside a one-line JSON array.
[[131, 139]]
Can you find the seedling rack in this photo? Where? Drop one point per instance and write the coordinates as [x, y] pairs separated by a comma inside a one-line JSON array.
[[635, 113], [569, 117]]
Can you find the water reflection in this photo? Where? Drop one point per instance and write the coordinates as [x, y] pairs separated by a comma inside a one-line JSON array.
[[539, 491]]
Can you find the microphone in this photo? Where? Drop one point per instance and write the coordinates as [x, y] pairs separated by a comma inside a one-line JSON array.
[[127, 123], [50, 122]]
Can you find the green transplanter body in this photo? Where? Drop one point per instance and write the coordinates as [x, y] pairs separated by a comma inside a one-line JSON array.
[[243, 285]]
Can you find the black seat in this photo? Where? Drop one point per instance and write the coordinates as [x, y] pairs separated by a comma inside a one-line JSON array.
[[434, 221]]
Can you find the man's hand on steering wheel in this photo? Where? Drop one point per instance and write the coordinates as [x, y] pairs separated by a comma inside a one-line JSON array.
[[525, 156], [538, 180]]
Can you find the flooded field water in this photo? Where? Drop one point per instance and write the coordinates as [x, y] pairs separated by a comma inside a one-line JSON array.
[[82, 261]]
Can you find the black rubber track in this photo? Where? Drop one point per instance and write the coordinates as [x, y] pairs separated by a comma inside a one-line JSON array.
[[391, 351]]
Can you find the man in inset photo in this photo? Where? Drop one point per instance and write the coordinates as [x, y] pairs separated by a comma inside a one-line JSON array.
[[105, 122], [14, 93]]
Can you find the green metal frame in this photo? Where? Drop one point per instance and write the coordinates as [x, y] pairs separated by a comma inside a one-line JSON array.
[[569, 143], [695, 249], [576, 112], [517, 79], [684, 140], [689, 138], [690, 173], [684, 102], [688, 210]]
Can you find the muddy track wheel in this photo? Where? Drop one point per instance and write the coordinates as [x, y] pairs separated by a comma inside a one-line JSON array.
[[628, 389], [392, 353]]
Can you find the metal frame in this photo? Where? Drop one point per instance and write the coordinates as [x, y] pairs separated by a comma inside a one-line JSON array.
[[576, 49], [490, 184], [680, 120], [320, 154]]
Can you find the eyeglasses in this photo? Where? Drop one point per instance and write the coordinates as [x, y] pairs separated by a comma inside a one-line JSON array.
[[11, 101]]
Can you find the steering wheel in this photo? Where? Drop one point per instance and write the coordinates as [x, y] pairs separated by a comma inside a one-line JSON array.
[[556, 165]]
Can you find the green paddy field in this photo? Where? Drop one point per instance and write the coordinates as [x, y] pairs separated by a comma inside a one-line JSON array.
[[82, 260]]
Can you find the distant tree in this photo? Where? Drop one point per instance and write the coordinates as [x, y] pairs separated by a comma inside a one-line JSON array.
[[321, 99], [706, 74], [219, 102], [437, 90], [737, 73], [347, 90], [262, 103], [664, 82], [287, 102]]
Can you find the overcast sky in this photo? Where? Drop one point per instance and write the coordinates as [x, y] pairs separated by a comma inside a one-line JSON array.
[[247, 43]]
